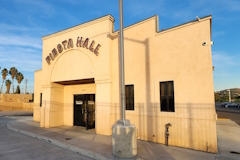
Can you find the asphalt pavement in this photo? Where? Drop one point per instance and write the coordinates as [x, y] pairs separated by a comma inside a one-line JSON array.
[[232, 113], [78, 140], [15, 146], [74, 142]]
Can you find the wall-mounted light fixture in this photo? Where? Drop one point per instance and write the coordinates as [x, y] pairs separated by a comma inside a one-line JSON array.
[[204, 43]]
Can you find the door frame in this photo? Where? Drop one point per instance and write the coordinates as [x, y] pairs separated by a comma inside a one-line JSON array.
[[86, 102]]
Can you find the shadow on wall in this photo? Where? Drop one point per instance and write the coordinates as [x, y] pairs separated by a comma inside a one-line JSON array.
[[192, 125]]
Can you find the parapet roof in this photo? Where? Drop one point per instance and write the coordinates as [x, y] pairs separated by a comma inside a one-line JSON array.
[[110, 17]]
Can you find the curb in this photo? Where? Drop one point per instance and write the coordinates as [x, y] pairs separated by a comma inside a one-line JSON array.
[[223, 119], [235, 123], [69, 147]]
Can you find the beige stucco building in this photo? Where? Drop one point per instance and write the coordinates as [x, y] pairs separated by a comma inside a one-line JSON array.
[[168, 76]]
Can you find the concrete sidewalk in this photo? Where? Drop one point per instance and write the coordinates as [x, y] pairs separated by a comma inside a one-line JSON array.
[[87, 143]]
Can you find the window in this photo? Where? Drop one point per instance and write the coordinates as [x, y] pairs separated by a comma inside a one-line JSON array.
[[129, 90], [167, 96], [40, 99]]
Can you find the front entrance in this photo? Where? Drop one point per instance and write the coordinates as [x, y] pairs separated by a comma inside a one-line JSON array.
[[84, 110]]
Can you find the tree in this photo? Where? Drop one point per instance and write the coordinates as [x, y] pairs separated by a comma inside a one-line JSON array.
[[13, 71], [217, 97], [19, 78], [18, 91], [8, 85], [4, 75]]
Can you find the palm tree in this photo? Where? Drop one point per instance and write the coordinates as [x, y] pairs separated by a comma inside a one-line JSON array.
[[4, 75], [19, 78], [13, 71], [8, 84]]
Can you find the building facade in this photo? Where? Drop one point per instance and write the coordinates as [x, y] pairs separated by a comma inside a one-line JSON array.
[[168, 77]]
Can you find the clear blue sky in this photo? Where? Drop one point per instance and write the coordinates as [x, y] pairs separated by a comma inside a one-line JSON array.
[[24, 22]]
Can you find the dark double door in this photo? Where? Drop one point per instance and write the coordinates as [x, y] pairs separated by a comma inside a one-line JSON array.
[[84, 110]]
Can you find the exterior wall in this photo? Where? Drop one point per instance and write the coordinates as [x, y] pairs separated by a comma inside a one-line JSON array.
[[16, 97], [37, 90], [173, 55], [151, 57], [69, 92], [72, 64], [9, 106], [54, 107], [28, 106], [15, 102]]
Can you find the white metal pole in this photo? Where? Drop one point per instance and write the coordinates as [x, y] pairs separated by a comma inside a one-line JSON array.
[[122, 76]]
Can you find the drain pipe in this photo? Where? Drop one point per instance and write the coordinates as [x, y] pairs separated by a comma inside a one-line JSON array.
[[167, 132]]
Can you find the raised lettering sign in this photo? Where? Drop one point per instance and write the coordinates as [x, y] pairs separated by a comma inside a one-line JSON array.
[[85, 44], [48, 59], [91, 46], [64, 44], [69, 44], [79, 42], [96, 49], [59, 47], [54, 53]]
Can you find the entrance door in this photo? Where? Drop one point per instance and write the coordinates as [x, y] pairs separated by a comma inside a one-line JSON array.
[[79, 110], [90, 109], [84, 110]]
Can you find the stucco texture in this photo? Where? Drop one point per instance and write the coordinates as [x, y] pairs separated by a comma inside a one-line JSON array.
[[151, 57]]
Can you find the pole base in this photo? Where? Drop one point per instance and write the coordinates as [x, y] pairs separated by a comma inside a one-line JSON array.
[[124, 140]]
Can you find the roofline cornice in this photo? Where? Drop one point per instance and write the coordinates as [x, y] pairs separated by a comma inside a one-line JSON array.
[[185, 24], [97, 20], [111, 18], [38, 70]]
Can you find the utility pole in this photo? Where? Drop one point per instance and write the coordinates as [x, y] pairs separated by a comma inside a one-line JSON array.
[[122, 74], [229, 96], [26, 80], [123, 146]]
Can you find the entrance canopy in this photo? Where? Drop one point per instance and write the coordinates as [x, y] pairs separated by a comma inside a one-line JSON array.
[[75, 82]]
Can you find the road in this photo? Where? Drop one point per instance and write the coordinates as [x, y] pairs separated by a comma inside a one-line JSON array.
[[232, 113], [15, 146]]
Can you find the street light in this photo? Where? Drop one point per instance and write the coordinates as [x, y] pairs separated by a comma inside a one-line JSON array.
[[124, 140], [122, 74]]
